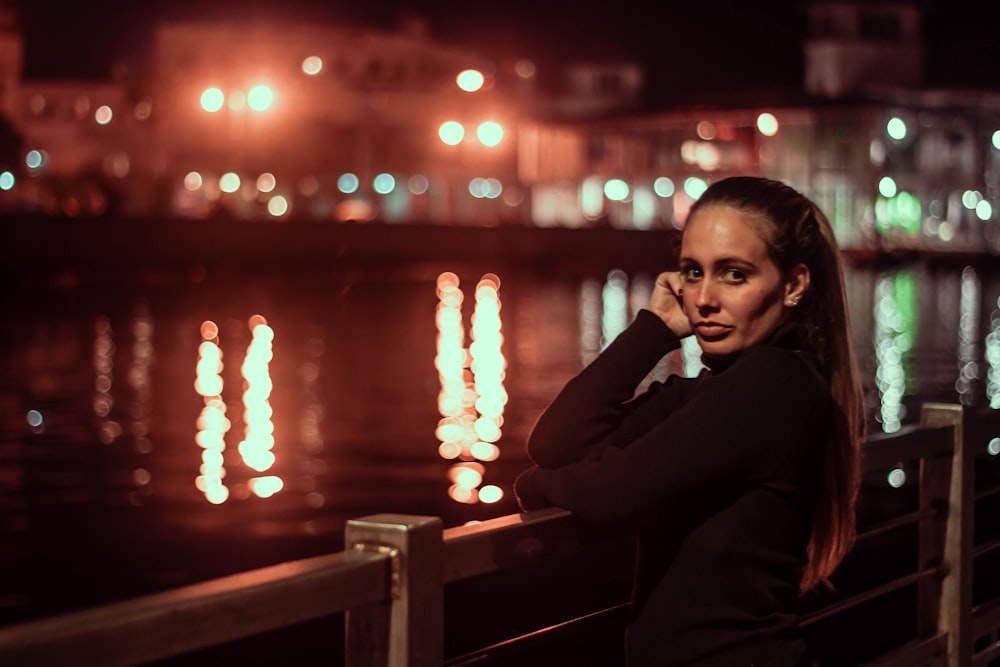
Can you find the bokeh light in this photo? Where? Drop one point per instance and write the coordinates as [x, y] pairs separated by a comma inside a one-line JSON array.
[[887, 186], [35, 418], [348, 183], [418, 184], [984, 210], [470, 80], [451, 132], [192, 181], [767, 124], [489, 133], [616, 189], [103, 115], [277, 206], [312, 65], [229, 182], [384, 183], [896, 128], [472, 397], [266, 182], [260, 98], [34, 159], [525, 68], [896, 478], [664, 187], [212, 99], [694, 187]]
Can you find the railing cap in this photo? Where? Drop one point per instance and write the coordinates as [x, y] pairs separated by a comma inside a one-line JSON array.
[[405, 521]]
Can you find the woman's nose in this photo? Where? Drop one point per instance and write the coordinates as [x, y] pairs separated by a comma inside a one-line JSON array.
[[706, 296]]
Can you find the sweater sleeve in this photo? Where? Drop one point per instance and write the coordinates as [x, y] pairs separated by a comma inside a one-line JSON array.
[[593, 404], [740, 427]]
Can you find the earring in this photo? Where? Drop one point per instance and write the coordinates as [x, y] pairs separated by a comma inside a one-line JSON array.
[[792, 301]]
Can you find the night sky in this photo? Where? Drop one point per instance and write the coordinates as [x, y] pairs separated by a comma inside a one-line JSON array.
[[689, 48]]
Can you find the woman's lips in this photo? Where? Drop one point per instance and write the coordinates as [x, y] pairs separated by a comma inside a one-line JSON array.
[[711, 330]]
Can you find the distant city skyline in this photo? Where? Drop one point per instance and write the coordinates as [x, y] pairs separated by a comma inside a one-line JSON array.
[[687, 48]]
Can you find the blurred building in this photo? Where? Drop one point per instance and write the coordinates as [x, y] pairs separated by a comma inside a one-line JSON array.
[[337, 123], [895, 165], [293, 121]]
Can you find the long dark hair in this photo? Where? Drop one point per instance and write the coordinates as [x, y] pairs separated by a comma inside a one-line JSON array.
[[796, 232]]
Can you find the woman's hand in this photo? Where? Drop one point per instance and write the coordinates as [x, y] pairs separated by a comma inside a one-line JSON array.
[[529, 496], [665, 302]]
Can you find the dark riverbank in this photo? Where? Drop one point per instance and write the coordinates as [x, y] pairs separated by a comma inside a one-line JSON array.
[[33, 243]]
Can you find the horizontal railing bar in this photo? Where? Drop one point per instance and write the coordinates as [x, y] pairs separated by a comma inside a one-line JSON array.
[[512, 540], [526, 640], [898, 522], [916, 652], [865, 596], [988, 491], [985, 657], [907, 444], [182, 620], [986, 618], [985, 548]]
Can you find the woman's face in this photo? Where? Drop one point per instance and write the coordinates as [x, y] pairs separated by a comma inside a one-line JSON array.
[[733, 294]]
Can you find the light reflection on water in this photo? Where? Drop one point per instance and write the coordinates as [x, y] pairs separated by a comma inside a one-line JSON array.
[[472, 396], [99, 412]]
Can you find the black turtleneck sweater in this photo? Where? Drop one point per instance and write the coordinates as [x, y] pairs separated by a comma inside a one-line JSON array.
[[716, 476]]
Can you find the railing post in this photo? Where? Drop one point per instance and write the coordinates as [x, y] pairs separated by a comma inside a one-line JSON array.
[[955, 609], [408, 629]]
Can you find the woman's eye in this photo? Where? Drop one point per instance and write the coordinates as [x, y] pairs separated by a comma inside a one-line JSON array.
[[690, 273], [735, 276]]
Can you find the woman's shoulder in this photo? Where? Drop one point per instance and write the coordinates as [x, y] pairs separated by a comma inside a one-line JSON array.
[[780, 367]]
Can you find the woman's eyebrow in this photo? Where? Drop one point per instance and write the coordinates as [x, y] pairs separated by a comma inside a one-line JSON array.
[[720, 261]]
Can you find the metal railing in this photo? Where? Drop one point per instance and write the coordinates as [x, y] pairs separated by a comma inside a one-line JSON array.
[[390, 580]]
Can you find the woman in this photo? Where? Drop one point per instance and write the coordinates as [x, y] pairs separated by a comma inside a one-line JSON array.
[[740, 483]]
